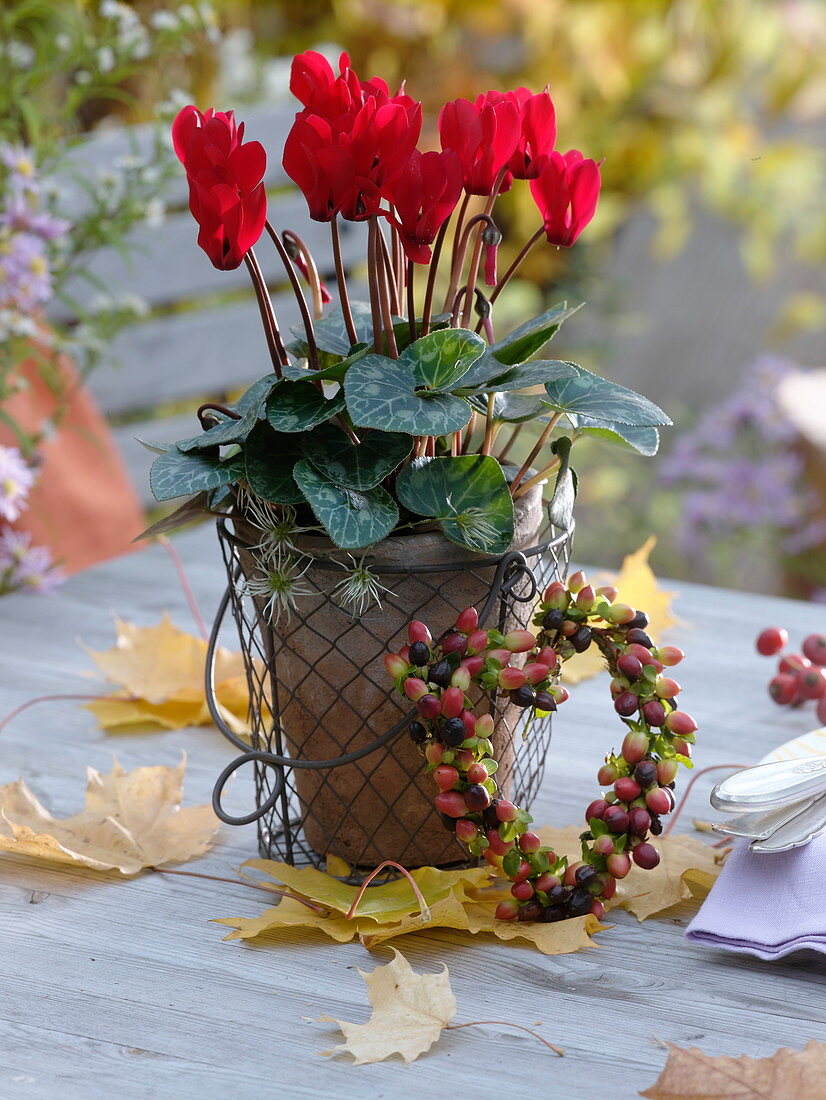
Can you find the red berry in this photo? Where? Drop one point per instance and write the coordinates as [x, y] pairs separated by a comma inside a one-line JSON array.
[[616, 819], [454, 643], [639, 821], [626, 704], [678, 721], [477, 773], [642, 654], [618, 864], [546, 882], [466, 830], [634, 746], [609, 885], [667, 771], [570, 873], [646, 856], [597, 909], [418, 632], [474, 665], [812, 683], [555, 591], [498, 846], [783, 688], [511, 678], [467, 621], [507, 909], [522, 891], [596, 808], [771, 640], [681, 746], [483, 727], [451, 803], [618, 685], [547, 656], [414, 688], [535, 673], [654, 712], [434, 752], [793, 663], [452, 702], [530, 842], [477, 641], [620, 613], [506, 811], [585, 598], [477, 798], [519, 641], [396, 665], [659, 800], [523, 871], [814, 647], [667, 688], [560, 693], [627, 789], [464, 758], [576, 581], [630, 666], [446, 777], [606, 775], [604, 845], [428, 706], [670, 655], [460, 679], [500, 655]]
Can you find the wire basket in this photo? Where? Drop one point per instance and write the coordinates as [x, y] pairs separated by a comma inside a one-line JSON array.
[[335, 771]]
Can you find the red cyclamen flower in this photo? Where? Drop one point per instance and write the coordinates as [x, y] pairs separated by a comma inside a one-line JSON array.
[[537, 119], [424, 195], [313, 83], [566, 192], [226, 192], [484, 135]]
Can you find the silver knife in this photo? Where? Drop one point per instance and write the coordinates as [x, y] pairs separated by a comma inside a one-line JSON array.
[[802, 828], [759, 825], [771, 786]]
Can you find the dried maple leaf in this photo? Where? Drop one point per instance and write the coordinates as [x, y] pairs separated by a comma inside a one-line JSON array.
[[159, 671], [132, 820], [687, 868], [786, 1075], [637, 586], [410, 1011]]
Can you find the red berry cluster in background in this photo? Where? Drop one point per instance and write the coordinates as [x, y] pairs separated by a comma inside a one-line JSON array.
[[459, 752], [800, 676]]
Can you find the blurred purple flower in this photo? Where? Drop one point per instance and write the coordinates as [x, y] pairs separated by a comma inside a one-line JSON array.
[[20, 217], [16, 479], [22, 174], [26, 567]]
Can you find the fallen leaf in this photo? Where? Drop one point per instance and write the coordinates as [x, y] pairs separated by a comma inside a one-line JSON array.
[[687, 869], [787, 1075], [638, 587], [410, 1011], [132, 820], [159, 671]]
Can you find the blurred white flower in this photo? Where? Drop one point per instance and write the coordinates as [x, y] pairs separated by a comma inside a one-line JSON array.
[[164, 20], [105, 59], [155, 213]]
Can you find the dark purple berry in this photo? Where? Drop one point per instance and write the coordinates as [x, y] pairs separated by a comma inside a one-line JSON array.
[[531, 910], [558, 895], [439, 673], [584, 875], [552, 913], [656, 825], [523, 696], [419, 654], [626, 703], [581, 639], [645, 773], [553, 619], [545, 701], [640, 622], [418, 733], [453, 732], [580, 903], [639, 637], [489, 816], [477, 798]]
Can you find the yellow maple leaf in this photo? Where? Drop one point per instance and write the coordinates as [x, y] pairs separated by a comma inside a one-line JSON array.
[[689, 1074], [132, 820], [159, 671], [638, 587], [687, 869], [410, 1011]]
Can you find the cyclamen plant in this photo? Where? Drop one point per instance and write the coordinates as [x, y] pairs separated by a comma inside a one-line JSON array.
[[387, 416], [459, 751]]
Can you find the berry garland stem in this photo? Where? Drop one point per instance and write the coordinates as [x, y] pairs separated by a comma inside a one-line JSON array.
[[458, 748]]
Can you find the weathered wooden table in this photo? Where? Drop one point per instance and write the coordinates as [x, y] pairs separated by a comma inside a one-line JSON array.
[[122, 988]]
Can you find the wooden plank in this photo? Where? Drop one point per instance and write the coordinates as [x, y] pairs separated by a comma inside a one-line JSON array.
[[165, 266], [125, 988]]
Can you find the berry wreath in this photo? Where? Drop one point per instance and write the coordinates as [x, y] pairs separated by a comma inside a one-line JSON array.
[[458, 749]]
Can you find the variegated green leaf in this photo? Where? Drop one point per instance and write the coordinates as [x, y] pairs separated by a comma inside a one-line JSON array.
[[299, 406], [360, 467], [352, 519], [381, 393]]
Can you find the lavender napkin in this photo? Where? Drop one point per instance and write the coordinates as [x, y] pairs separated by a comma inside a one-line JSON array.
[[766, 904]]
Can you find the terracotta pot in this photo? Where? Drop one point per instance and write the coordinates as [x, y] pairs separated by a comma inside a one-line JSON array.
[[334, 695]]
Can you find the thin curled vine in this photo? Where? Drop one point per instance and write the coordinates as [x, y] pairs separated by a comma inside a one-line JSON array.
[[458, 747]]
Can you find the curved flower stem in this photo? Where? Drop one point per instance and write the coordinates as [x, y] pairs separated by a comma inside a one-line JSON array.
[[382, 277], [411, 300], [277, 353], [185, 585], [503, 454], [469, 430], [473, 268], [389, 274], [424, 909], [506, 278], [455, 267], [461, 295], [463, 246], [526, 486], [427, 311], [343, 297], [313, 278], [711, 768], [507, 1023], [64, 697], [299, 294], [372, 282], [540, 443], [241, 882], [487, 442]]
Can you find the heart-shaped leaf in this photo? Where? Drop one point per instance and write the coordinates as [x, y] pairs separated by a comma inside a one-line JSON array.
[[299, 372], [352, 519], [355, 467], [514, 408], [299, 406], [381, 393], [441, 358], [331, 332], [645, 440], [536, 373], [607, 402], [256, 395], [526, 340], [468, 494], [175, 474], [269, 457]]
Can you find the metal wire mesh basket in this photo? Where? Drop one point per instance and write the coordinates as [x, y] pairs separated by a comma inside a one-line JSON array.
[[335, 771]]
